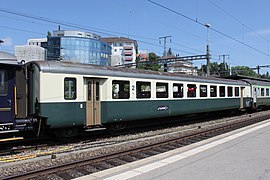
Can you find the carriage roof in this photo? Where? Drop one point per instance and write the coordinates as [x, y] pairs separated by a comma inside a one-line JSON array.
[[105, 71]]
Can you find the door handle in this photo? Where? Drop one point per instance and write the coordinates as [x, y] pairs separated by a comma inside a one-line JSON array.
[[9, 102]]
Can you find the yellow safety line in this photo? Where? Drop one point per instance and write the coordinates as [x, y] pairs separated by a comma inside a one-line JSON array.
[[30, 156]]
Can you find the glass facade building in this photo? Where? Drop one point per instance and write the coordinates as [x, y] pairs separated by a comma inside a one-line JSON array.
[[80, 49]]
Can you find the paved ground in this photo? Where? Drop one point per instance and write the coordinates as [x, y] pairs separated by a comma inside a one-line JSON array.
[[242, 154]]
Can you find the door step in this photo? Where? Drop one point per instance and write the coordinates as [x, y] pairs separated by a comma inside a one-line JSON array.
[[9, 131], [94, 129], [6, 124]]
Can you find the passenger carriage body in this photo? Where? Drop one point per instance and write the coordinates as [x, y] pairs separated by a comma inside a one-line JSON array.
[[260, 91], [56, 95], [79, 95]]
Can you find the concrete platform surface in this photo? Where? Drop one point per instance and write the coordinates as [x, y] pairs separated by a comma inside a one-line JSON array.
[[241, 154]]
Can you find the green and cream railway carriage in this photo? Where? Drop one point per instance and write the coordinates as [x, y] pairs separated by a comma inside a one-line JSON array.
[[260, 91], [71, 95]]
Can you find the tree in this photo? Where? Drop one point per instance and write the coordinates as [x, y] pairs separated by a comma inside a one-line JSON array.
[[244, 70], [215, 69], [152, 63], [223, 69], [266, 75]]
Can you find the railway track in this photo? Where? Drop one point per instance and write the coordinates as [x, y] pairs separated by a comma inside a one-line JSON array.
[[94, 141], [100, 162]]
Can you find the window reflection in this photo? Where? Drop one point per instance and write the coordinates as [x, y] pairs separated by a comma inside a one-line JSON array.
[[83, 50], [3, 83]]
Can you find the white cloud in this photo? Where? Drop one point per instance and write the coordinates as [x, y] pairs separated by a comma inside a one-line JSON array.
[[7, 41], [262, 32]]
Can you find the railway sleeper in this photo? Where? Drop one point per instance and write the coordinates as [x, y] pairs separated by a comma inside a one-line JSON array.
[[83, 170], [117, 161], [140, 155], [91, 168], [126, 158], [64, 175], [102, 166], [114, 163]]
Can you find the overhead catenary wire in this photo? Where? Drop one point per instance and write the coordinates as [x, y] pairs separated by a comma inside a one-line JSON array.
[[95, 30], [237, 20], [210, 28], [22, 30]]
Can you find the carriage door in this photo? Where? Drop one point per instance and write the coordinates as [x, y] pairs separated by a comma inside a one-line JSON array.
[[93, 102], [242, 97], [6, 96], [254, 95]]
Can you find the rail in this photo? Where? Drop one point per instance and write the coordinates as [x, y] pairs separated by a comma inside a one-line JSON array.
[[136, 153]]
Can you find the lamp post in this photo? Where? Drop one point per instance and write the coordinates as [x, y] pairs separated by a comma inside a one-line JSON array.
[[207, 51]]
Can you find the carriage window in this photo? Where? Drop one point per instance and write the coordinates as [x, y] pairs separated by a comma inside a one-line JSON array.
[[236, 91], [89, 91], [221, 91], [191, 90], [3, 83], [258, 92], [70, 88], [161, 90], [178, 90], [262, 91], [213, 91], [143, 89], [267, 92], [203, 91], [97, 91], [230, 91], [120, 90]]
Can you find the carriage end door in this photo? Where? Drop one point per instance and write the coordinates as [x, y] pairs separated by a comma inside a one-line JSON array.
[[7, 81], [93, 102]]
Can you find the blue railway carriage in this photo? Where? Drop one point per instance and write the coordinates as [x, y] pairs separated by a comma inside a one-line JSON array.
[[7, 96], [69, 96], [12, 95]]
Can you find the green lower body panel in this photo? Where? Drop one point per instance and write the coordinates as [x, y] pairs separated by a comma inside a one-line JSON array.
[[116, 111], [63, 114], [263, 101], [74, 114]]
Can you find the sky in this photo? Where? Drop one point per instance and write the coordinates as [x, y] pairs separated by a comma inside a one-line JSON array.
[[238, 29]]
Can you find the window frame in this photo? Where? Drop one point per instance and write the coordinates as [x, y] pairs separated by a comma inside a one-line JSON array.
[[162, 94], [222, 91], [4, 82], [267, 92], [262, 92], [143, 94], [189, 95], [213, 94], [203, 94], [89, 90], [236, 91], [122, 93], [230, 91], [74, 80], [180, 92]]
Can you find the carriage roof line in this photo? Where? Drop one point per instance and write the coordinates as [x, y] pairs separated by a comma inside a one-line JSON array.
[[67, 67]]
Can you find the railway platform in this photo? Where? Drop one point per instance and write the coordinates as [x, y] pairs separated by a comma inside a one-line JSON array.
[[241, 154]]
